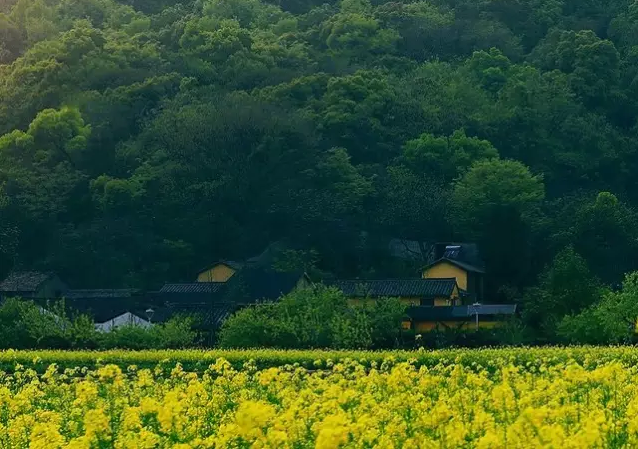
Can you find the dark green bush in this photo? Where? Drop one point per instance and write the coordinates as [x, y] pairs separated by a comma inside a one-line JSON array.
[[26, 325], [317, 317]]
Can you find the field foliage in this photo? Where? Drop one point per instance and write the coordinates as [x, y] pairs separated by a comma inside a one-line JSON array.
[[198, 360], [570, 397]]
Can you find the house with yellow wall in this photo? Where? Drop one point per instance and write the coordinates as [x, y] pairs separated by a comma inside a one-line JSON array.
[[467, 271], [449, 294]]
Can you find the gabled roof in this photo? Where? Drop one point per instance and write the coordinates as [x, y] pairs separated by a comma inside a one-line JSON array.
[[124, 319], [433, 313], [229, 263], [429, 288], [24, 281], [463, 265], [194, 287], [98, 293]]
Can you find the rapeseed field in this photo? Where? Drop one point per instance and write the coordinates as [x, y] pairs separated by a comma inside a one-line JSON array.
[[556, 401]]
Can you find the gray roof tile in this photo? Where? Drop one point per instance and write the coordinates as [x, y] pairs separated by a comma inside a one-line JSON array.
[[397, 287], [24, 281], [195, 287], [101, 293]]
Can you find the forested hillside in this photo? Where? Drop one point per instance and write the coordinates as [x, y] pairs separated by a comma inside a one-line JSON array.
[[142, 139]]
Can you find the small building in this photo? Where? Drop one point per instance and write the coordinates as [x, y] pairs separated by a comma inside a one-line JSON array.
[[32, 285], [213, 302], [459, 261], [449, 294], [482, 316], [123, 319]]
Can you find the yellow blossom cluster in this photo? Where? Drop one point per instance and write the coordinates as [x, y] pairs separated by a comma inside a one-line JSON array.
[[348, 404]]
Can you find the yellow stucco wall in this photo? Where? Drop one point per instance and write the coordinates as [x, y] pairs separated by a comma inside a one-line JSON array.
[[447, 270], [218, 273]]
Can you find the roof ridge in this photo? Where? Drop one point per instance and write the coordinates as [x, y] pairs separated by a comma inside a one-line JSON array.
[[395, 279], [194, 282]]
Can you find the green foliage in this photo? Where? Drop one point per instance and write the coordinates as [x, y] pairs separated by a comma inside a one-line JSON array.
[[26, 325], [317, 317], [446, 157], [612, 320], [23, 324], [142, 139], [496, 203], [496, 184], [565, 287]]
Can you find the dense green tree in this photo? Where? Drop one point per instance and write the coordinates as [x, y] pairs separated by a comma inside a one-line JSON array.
[[565, 287], [317, 317], [446, 157], [495, 204], [368, 114], [612, 320], [495, 184], [605, 232], [41, 168], [11, 40], [592, 63], [411, 206], [141, 140]]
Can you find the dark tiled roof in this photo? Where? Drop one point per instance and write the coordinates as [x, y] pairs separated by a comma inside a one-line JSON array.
[[99, 311], [253, 284], [430, 313], [101, 293], [104, 308], [397, 287], [24, 281], [464, 265], [195, 287]]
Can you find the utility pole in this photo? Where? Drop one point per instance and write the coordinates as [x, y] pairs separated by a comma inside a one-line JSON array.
[[476, 306]]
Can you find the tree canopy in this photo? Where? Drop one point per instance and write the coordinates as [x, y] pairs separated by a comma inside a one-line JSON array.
[[141, 140]]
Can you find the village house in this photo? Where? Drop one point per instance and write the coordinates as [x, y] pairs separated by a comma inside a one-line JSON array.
[[225, 287], [449, 294], [32, 285]]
